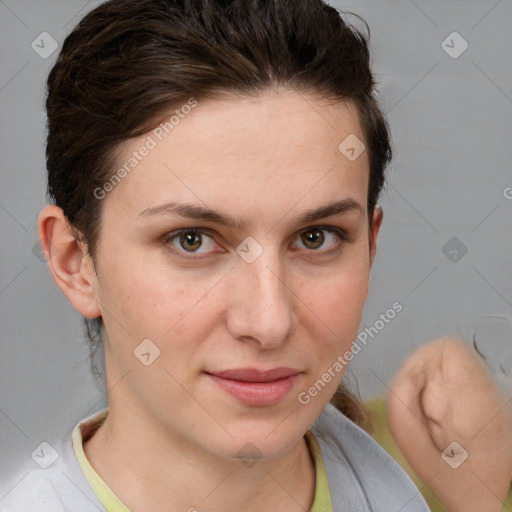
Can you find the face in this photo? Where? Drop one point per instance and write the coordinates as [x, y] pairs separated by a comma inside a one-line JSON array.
[[246, 308]]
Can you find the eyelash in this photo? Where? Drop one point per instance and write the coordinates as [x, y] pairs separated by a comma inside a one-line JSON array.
[[340, 233]]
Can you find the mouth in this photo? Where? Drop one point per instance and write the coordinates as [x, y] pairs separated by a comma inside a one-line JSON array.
[[256, 387]]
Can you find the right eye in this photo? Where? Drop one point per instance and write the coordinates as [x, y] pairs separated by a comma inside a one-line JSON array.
[[190, 241]]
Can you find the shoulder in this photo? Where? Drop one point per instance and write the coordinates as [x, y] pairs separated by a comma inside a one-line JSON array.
[[61, 487], [30, 491], [360, 471]]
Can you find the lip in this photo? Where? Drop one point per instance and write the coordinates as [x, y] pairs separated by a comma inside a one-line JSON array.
[[256, 387]]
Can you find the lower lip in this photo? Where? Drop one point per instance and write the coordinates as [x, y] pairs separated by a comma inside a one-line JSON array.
[[257, 393]]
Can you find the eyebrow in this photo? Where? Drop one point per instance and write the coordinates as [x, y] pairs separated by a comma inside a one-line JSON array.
[[198, 212]]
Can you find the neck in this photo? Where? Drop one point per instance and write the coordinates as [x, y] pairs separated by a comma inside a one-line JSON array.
[[160, 472]]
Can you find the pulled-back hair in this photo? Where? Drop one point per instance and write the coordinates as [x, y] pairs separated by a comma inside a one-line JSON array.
[[130, 62]]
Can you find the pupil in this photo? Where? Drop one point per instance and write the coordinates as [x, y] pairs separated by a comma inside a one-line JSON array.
[[190, 241], [314, 237]]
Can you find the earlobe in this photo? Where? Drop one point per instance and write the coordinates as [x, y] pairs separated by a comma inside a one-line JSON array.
[[71, 267], [378, 215]]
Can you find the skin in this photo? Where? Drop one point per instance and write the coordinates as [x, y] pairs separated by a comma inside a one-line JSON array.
[[171, 439], [444, 393]]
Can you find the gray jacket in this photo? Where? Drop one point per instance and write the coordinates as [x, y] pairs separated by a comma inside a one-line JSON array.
[[362, 476]]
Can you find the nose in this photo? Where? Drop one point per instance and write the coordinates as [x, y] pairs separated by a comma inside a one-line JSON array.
[[261, 307]]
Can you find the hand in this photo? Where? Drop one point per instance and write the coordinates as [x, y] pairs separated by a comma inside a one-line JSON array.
[[443, 394]]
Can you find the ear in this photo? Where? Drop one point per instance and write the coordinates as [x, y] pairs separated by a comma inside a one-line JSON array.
[[70, 264], [378, 215]]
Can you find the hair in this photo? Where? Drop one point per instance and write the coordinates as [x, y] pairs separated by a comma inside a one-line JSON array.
[[128, 63]]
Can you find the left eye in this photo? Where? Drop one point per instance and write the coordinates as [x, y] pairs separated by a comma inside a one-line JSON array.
[[314, 238]]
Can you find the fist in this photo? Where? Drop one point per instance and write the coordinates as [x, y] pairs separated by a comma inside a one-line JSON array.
[[453, 425]]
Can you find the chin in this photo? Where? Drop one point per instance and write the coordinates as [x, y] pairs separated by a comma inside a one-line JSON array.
[[265, 442]]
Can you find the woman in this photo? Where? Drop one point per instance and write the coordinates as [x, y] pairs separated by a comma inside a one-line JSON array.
[[214, 169]]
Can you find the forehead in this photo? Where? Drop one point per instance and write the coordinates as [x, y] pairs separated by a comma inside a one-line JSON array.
[[249, 152]]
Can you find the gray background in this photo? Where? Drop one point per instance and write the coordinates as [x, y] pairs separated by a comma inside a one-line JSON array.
[[451, 124]]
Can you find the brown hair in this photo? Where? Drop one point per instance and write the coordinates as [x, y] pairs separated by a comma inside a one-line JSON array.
[[129, 62]]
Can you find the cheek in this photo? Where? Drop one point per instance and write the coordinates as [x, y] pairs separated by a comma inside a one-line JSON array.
[[134, 303], [170, 308], [340, 297], [333, 311]]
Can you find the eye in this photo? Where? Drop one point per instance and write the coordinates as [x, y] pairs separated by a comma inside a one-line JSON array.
[[315, 237], [190, 240]]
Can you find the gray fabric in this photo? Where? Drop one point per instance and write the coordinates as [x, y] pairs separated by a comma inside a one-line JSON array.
[[362, 476], [60, 488]]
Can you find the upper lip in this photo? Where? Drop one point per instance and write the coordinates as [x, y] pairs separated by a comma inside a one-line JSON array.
[[256, 375]]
